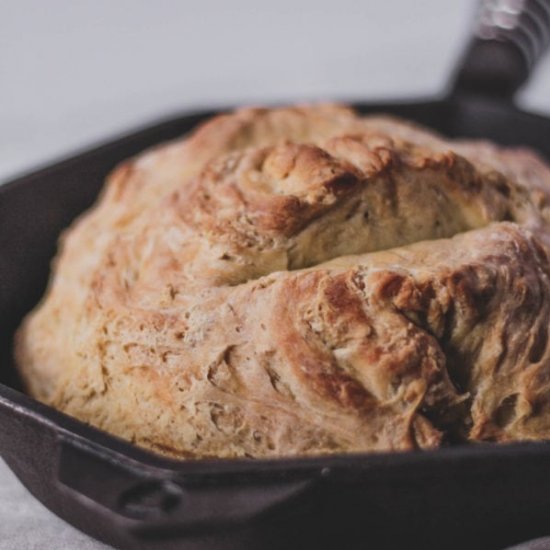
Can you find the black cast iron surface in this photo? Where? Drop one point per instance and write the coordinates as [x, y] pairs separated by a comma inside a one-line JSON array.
[[479, 497], [483, 496]]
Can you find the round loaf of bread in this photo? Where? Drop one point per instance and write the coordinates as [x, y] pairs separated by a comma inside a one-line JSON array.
[[301, 281]]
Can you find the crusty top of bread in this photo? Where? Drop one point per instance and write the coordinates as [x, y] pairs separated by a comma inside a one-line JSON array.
[[300, 281]]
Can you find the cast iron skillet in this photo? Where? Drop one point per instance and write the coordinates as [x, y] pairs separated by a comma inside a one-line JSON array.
[[483, 496]]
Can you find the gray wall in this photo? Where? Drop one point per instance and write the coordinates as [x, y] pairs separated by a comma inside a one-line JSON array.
[[72, 72]]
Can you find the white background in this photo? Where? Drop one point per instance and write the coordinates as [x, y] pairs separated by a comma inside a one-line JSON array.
[[75, 72]]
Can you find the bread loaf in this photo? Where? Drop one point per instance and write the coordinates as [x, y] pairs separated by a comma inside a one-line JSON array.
[[301, 281]]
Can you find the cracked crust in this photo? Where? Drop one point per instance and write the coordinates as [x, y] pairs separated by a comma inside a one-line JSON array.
[[302, 281]]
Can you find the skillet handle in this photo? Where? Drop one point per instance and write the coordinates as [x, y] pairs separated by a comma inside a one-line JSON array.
[[141, 500], [510, 37]]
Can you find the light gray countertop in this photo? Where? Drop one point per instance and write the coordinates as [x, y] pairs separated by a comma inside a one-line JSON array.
[[74, 73]]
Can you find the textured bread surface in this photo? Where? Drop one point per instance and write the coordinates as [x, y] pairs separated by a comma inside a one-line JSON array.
[[302, 281]]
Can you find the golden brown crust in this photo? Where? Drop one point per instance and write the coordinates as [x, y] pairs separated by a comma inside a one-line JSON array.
[[303, 281]]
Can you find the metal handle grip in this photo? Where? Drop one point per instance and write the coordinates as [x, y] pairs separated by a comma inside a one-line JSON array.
[[510, 37], [146, 500]]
